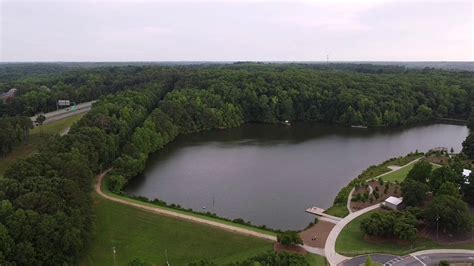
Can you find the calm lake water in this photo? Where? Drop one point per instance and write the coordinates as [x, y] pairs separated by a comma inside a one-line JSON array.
[[269, 174]]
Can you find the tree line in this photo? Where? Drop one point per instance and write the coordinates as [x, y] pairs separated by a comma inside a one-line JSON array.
[[14, 132], [45, 200], [338, 93]]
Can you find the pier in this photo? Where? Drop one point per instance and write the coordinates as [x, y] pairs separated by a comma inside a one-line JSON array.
[[320, 212]]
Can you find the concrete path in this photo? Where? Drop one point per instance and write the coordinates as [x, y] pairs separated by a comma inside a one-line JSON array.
[[313, 250], [371, 190], [396, 168], [330, 247], [171, 213], [349, 200]]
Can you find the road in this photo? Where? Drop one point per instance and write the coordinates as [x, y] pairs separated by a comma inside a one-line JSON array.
[[421, 258], [171, 213], [54, 116]]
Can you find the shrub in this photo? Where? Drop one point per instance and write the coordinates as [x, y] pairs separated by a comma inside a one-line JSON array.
[[116, 183], [289, 238]]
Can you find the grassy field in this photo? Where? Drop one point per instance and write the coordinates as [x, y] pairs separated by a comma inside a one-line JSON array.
[[351, 243], [338, 210], [140, 234], [401, 174], [316, 260], [398, 175], [37, 135], [202, 216]]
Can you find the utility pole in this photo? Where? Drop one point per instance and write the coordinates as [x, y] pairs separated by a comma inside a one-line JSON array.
[[437, 226], [114, 251], [166, 254]]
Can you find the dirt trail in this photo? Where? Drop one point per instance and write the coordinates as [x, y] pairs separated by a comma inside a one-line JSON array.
[[182, 216]]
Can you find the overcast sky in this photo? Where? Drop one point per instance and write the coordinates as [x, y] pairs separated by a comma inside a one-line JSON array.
[[305, 30]]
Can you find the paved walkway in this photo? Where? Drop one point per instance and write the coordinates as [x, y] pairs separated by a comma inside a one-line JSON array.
[[313, 250], [182, 216], [393, 169], [330, 247]]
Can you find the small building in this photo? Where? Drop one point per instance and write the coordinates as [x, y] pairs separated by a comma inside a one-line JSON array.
[[8, 95], [466, 173], [393, 203]]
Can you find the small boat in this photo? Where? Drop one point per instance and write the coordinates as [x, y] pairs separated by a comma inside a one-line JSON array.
[[358, 126], [287, 122]]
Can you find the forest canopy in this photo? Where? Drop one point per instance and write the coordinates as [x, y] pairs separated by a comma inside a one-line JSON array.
[[45, 200]]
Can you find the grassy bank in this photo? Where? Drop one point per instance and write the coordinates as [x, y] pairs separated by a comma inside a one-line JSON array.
[[351, 243], [140, 234], [194, 214], [37, 136]]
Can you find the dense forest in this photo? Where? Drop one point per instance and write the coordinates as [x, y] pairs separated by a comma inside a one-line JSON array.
[[45, 202]]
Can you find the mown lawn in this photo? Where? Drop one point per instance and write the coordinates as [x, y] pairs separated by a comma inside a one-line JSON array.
[[140, 234], [401, 174], [338, 210], [351, 243], [37, 136], [398, 175], [316, 260]]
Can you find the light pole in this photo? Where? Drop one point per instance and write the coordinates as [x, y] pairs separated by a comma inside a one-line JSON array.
[[114, 251], [437, 226], [166, 254]]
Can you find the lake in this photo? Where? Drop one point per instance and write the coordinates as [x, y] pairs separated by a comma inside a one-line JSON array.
[[269, 174]]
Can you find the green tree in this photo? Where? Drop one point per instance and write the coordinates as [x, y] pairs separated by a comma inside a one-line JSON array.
[[420, 172], [468, 146], [442, 175], [369, 261], [453, 213], [413, 192]]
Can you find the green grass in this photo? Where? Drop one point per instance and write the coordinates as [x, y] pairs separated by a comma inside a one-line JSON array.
[[252, 228], [316, 260], [338, 210], [37, 136], [401, 173], [57, 127], [398, 175], [351, 243], [139, 234]]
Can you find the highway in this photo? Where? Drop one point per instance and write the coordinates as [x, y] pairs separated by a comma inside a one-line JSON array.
[[65, 113]]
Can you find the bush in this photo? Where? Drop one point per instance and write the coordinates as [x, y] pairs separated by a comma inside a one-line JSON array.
[[443, 263], [289, 238], [116, 183]]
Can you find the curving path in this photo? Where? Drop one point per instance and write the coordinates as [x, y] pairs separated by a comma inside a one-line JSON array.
[[371, 190], [332, 256], [171, 213]]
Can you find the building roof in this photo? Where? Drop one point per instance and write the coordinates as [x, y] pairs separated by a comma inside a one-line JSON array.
[[466, 172], [394, 200]]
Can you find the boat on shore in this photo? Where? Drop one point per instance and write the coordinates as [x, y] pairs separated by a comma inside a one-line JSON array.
[[358, 126]]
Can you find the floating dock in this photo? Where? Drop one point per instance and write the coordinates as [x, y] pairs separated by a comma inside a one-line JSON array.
[[320, 212]]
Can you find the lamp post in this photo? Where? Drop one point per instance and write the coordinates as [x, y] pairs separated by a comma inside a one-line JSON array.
[[114, 251], [437, 226]]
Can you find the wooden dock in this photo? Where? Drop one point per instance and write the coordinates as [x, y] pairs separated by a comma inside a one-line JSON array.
[[320, 212]]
